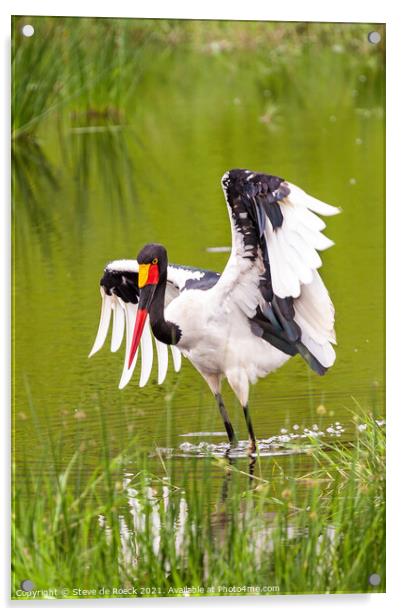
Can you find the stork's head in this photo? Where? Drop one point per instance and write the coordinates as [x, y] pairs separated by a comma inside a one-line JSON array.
[[152, 265], [152, 262]]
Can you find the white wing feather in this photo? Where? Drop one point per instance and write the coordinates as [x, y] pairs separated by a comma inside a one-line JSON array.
[[315, 314], [147, 354], [294, 260], [162, 353], [130, 311], [118, 325], [176, 354], [293, 246], [106, 313]]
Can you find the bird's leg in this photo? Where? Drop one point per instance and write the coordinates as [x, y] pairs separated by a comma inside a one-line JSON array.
[[247, 417], [227, 478], [251, 466], [224, 414]]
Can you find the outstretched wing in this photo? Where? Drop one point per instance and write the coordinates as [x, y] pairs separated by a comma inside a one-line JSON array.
[[272, 272], [119, 291]]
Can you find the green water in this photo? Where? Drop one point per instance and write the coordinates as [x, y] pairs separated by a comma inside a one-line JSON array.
[[95, 188]]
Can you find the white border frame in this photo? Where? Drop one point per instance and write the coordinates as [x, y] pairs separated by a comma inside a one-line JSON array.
[[386, 11]]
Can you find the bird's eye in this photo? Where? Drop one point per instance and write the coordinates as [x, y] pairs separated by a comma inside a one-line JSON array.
[[155, 261]]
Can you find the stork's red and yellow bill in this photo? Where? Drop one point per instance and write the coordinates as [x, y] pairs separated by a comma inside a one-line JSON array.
[[148, 278]]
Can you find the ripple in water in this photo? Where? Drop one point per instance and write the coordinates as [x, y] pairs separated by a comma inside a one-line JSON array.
[[285, 443]]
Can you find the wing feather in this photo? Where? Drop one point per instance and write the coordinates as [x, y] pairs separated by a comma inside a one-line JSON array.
[[130, 311], [118, 325], [147, 354], [162, 353], [308, 218], [297, 220], [305, 200], [176, 355], [314, 311], [307, 254], [302, 271], [106, 313]]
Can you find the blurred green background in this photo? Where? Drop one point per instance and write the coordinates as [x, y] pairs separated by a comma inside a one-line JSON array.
[[121, 131]]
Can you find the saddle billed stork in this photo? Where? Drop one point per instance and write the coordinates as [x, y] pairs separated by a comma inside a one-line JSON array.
[[268, 304]]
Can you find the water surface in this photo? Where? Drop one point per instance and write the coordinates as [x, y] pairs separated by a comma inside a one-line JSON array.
[[95, 190]]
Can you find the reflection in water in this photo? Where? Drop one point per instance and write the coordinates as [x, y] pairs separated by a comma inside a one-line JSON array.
[[150, 506], [156, 506], [99, 153], [147, 508], [229, 472], [33, 177]]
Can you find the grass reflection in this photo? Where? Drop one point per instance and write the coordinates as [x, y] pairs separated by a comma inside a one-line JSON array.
[[100, 153]]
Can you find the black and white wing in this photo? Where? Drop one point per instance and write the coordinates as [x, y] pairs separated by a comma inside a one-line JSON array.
[[119, 292], [276, 234]]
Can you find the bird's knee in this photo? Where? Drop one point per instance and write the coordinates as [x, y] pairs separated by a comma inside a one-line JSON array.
[[214, 382], [238, 381]]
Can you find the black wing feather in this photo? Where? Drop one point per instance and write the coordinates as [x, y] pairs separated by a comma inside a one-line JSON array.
[[124, 284]]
